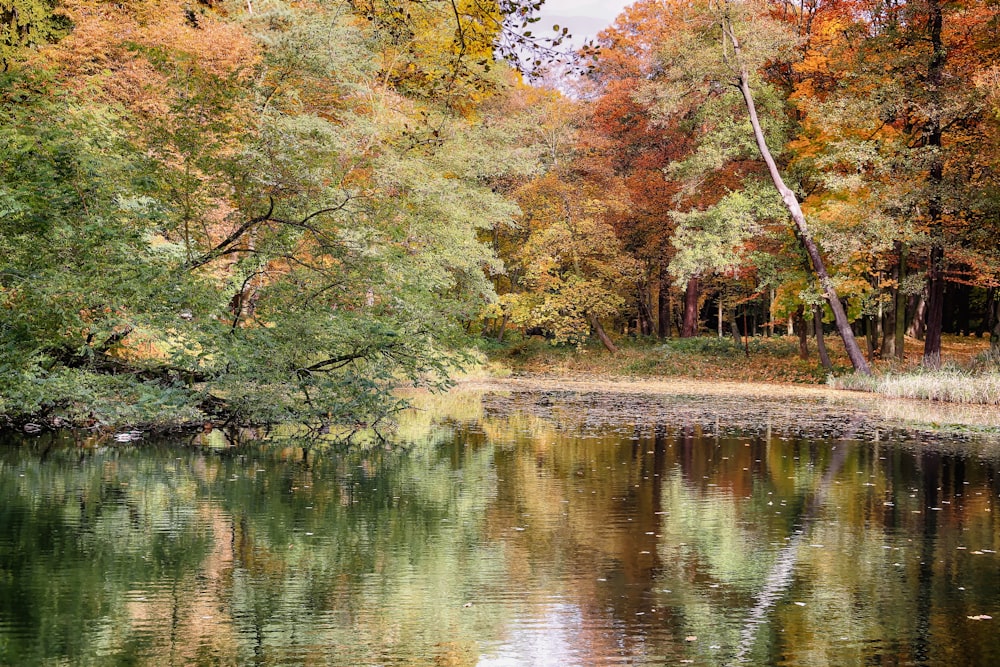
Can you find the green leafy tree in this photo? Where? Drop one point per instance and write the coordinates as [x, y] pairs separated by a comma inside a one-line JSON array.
[[26, 23], [282, 234]]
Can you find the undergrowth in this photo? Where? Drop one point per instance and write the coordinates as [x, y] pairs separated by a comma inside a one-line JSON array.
[[760, 359]]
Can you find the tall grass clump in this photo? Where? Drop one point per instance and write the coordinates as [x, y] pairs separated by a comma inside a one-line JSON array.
[[977, 385]]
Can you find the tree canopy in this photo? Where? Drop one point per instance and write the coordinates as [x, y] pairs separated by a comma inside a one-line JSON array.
[[267, 211]]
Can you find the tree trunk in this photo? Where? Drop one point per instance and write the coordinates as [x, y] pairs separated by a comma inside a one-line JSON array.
[[871, 335], [770, 313], [734, 328], [935, 305], [800, 325], [503, 327], [995, 331], [820, 343], [605, 339], [879, 329], [792, 204], [935, 309], [900, 319], [671, 315], [719, 323], [690, 325], [917, 324], [888, 347], [663, 308], [645, 324]]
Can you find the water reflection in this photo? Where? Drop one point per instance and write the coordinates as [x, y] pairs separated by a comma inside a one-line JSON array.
[[513, 529]]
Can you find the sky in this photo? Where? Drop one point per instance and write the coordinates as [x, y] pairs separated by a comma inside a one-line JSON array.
[[585, 18]]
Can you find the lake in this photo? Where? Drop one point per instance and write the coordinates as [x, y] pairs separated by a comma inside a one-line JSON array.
[[517, 524]]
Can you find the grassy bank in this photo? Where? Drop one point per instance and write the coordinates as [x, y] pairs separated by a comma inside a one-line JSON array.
[[975, 383], [773, 359], [951, 385], [970, 374]]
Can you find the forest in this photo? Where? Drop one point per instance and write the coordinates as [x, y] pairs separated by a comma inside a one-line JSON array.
[[261, 211]]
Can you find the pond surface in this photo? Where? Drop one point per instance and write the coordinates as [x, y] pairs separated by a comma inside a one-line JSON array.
[[512, 527]]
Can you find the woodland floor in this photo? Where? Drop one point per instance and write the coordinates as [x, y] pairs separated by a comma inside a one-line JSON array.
[[770, 360]]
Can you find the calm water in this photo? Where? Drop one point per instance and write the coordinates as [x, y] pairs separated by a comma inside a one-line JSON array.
[[519, 528]]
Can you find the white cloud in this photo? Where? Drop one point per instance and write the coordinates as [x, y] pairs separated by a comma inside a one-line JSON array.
[[584, 18], [606, 10]]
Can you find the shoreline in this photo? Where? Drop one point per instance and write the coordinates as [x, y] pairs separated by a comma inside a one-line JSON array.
[[907, 410]]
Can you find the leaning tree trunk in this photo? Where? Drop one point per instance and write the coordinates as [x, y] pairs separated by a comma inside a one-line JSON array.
[[602, 334], [792, 204], [690, 324]]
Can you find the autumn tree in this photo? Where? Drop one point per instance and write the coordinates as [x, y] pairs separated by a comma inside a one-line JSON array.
[[564, 266], [292, 232], [637, 150], [577, 274], [720, 58], [895, 125]]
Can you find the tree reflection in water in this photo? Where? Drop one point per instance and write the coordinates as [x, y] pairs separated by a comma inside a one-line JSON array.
[[512, 528]]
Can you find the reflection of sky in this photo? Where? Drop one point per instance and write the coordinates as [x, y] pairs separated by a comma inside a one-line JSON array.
[[550, 639]]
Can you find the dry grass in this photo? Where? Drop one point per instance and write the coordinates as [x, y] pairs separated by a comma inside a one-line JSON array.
[[952, 385], [970, 374]]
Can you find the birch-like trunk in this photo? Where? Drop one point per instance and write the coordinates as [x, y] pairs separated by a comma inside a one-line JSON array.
[[795, 210]]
